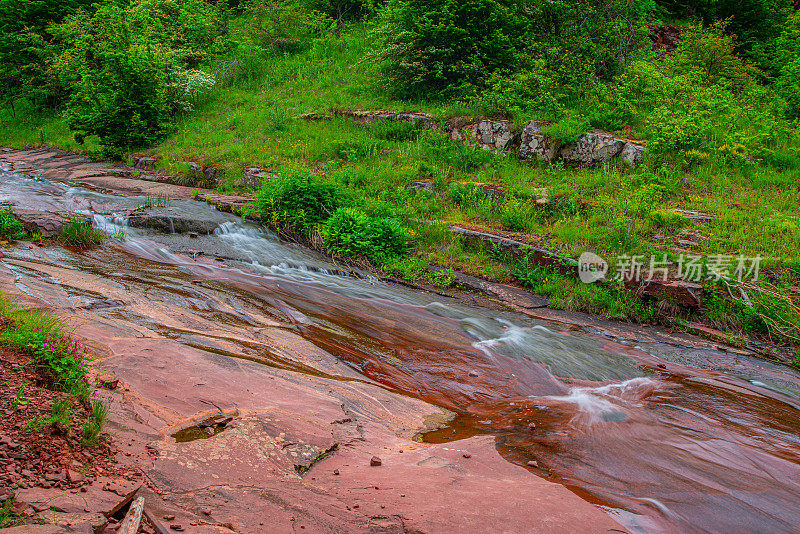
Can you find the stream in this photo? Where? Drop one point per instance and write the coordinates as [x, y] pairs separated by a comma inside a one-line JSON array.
[[664, 438]]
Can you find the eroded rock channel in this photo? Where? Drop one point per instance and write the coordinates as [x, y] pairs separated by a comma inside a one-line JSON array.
[[258, 381]]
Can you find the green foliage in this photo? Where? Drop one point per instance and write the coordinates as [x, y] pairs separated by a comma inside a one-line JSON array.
[[60, 415], [351, 232], [439, 49], [19, 398], [63, 360], [10, 226], [81, 234], [8, 517], [297, 201], [94, 424], [788, 56], [453, 47], [569, 129], [284, 25], [55, 353]]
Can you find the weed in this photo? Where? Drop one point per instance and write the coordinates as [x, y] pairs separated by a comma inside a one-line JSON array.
[[81, 234], [160, 201], [10, 226], [19, 399], [94, 424], [8, 517]]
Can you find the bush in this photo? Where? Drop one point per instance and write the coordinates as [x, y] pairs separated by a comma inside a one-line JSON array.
[[10, 226], [788, 55], [351, 232], [284, 25], [440, 49], [297, 201]]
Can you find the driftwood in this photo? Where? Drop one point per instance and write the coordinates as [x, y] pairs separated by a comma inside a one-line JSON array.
[[154, 522], [130, 525]]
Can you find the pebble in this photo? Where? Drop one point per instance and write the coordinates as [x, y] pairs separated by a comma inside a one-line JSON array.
[[467, 455], [206, 511], [176, 527], [375, 461], [335, 471], [169, 517], [473, 373], [533, 463]]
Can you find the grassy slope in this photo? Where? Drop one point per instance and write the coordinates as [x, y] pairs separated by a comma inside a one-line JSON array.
[[611, 210]]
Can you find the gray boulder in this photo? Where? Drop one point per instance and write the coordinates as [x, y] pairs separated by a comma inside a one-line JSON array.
[[593, 147], [534, 144], [489, 135], [632, 152]]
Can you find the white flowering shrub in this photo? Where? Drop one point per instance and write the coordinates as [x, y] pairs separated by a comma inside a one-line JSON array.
[[188, 86]]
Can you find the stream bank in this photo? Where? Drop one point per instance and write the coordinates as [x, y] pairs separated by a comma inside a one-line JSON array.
[[321, 371]]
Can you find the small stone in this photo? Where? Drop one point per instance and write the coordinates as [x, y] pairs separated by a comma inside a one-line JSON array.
[[375, 461], [532, 426], [176, 526], [75, 477], [467, 455], [169, 517], [473, 373], [533, 463], [383, 506], [206, 511], [335, 471]]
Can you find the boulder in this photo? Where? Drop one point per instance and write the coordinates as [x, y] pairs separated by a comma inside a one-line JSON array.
[[684, 294], [487, 134], [144, 162], [423, 120], [422, 185], [632, 152], [534, 144], [253, 178], [593, 147]]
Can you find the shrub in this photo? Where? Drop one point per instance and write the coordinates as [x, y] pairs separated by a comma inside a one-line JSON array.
[[10, 226], [788, 54], [283, 25], [439, 49], [351, 232], [297, 201]]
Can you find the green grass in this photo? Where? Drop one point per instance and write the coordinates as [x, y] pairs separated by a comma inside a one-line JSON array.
[[9, 518], [94, 424], [81, 234], [610, 210]]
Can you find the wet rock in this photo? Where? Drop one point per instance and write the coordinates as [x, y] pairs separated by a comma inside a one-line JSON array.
[[593, 147], [632, 152], [375, 461], [535, 145], [46, 223], [487, 134], [170, 224]]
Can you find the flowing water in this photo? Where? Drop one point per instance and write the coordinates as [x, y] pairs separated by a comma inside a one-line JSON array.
[[663, 437]]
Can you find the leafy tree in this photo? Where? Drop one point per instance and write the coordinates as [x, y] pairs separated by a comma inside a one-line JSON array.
[[453, 47], [788, 55], [23, 26]]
